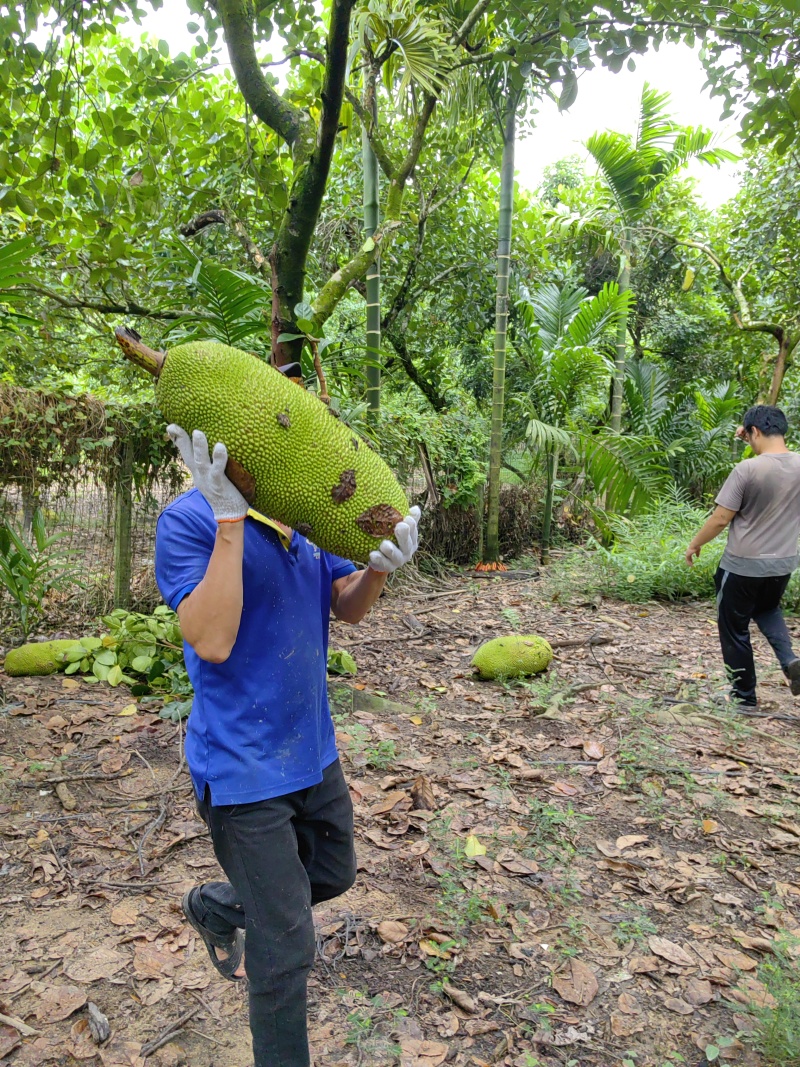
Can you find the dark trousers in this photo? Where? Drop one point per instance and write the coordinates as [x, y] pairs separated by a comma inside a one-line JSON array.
[[741, 599], [281, 856]]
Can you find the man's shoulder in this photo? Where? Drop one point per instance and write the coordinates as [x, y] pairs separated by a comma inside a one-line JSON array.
[[190, 508], [190, 502]]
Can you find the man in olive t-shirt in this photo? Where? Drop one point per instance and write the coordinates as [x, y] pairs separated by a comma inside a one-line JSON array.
[[761, 502]]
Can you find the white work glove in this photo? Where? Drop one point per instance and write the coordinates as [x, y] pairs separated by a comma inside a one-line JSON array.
[[390, 556], [226, 501]]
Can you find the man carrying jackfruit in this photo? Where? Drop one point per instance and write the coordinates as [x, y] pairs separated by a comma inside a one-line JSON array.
[[254, 599]]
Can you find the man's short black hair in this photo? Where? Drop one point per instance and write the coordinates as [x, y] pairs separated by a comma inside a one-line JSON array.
[[771, 421]]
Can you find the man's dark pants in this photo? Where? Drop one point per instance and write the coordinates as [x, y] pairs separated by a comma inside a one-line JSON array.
[[281, 856], [740, 600]]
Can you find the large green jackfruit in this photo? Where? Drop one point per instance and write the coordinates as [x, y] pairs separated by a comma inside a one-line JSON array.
[[39, 657], [510, 657], [311, 471]]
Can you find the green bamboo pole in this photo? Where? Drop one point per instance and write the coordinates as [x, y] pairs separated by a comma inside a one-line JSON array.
[[491, 552], [622, 338], [547, 522], [373, 276]]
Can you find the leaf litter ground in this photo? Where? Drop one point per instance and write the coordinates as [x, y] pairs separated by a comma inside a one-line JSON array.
[[585, 868]]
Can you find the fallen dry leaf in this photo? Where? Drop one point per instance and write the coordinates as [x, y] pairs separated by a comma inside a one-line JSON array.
[[56, 1002], [698, 991], [91, 966], [422, 798], [628, 1004], [391, 932], [151, 993], [731, 957], [670, 951], [680, 1007], [153, 961], [126, 913], [626, 1025], [419, 1053], [593, 750], [643, 964], [628, 840], [9, 1039], [576, 983], [460, 998], [389, 802]]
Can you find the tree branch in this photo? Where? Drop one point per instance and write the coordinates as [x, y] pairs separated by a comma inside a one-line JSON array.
[[744, 319], [291, 123], [336, 286], [378, 147], [397, 340], [79, 304]]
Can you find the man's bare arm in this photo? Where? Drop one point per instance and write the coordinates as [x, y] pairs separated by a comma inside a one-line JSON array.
[[713, 526], [211, 613], [353, 596]]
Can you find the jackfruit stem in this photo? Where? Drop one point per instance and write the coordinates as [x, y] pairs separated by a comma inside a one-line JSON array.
[[139, 353]]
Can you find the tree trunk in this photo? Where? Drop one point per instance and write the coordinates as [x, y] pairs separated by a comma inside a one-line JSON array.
[[551, 460], [373, 278], [622, 340], [491, 552], [786, 348], [123, 513]]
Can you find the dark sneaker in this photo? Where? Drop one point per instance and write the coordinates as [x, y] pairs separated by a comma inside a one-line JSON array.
[[793, 674]]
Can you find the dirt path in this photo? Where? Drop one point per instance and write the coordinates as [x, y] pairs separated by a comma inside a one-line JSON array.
[[579, 870]]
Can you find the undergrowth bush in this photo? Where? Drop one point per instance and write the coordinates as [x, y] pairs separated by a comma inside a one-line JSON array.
[[646, 559]]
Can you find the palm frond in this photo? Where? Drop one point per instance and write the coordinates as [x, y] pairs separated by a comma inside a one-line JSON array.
[[621, 166], [550, 309], [235, 306], [545, 436], [595, 316], [654, 126], [417, 46], [628, 471], [14, 257]]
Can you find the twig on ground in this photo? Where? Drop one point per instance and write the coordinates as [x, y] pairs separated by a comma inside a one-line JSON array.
[[166, 1035], [151, 829], [18, 1024]]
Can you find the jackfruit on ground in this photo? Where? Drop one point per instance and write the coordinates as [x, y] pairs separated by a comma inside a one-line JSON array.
[[39, 657], [311, 471], [510, 657]]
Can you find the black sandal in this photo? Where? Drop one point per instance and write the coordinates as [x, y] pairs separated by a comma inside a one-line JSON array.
[[232, 944]]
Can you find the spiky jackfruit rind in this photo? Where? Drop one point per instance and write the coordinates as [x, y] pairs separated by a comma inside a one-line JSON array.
[[512, 656], [236, 398], [38, 657]]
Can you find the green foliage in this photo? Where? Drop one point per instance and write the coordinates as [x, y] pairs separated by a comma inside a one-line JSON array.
[[635, 168], [340, 662], [236, 307], [30, 568], [646, 560], [777, 1036], [54, 438], [142, 651]]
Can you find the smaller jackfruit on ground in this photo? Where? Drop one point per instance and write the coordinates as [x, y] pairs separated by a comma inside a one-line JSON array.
[[512, 656], [39, 657]]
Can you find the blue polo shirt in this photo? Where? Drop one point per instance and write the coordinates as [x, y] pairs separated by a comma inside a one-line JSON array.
[[260, 725]]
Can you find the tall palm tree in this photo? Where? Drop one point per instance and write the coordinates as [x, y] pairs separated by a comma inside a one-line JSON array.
[[563, 341], [635, 169]]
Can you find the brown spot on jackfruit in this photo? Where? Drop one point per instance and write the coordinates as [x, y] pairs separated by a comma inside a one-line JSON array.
[[379, 521], [242, 479], [283, 419], [304, 529], [346, 487], [354, 443]]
